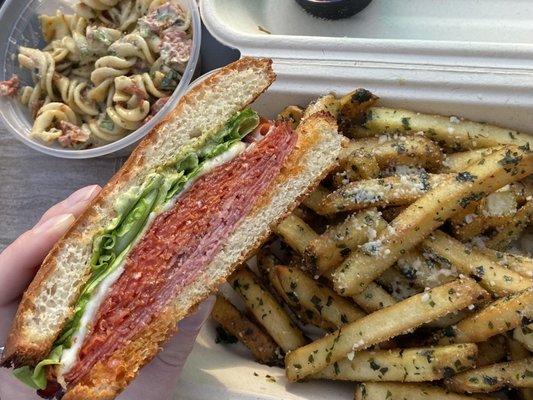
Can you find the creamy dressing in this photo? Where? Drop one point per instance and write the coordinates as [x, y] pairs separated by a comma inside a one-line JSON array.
[[70, 355]]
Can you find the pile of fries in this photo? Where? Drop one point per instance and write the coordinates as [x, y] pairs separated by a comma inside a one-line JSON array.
[[405, 258]]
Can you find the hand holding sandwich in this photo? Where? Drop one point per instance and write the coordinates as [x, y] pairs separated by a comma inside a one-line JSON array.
[[194, 201], [19, 263]]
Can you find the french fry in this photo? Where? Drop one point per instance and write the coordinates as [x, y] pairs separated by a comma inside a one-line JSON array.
[[390, 191], [266, 261], [404, 391], [339, 239], [425, 272], [381, 326], [498, 317], [262, 346], [492, 276], [292, 114], [267, 311], [518, 374], [524, 335], [359, 164], [374, 298], [314, 200], [318, 223], [462, 216], [359, 132], [521, 190], [518, 263], [448, 320], [512, 228], [392, 212], [352, 107], [494, 210], [412, 150], [397, 284], [457, 162], [295, 232], [330, 248], [316, 297], [518, 352], [427, 214], [328, 103], [308, 316], [491, 351], [451, 132], [403, 365]]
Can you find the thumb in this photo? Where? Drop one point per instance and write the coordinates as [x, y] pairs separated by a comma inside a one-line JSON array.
[[19, 260], [157, 381]]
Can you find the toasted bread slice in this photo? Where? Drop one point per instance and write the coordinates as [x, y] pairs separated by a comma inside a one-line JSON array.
[[48, 302], [315, 155]]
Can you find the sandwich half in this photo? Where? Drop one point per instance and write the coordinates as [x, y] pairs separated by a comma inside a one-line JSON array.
[[196, 198]]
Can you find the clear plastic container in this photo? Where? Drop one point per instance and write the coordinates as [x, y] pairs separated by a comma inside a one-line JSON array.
[[21, 27]]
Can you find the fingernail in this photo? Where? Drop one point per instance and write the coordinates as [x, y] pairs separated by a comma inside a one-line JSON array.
[[82, 194], [57, 223]]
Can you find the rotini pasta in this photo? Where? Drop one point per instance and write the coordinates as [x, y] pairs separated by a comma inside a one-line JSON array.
[[48, 116], [105, 70]]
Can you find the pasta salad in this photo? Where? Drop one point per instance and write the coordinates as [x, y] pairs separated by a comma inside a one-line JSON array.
[[105, 70]]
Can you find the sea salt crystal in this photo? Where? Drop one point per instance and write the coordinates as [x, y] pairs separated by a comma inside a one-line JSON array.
[[350, 355], [425, 297]]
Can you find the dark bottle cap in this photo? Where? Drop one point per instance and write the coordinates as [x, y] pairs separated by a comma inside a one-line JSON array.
[[333, 9]]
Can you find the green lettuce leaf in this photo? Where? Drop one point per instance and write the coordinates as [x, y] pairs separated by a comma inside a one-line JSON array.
[[234, 130], [36, 377]]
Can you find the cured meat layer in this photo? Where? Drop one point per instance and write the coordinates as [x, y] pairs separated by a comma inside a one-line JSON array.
[[181, 243]]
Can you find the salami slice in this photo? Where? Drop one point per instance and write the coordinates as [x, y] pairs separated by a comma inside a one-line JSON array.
[[180, 243]]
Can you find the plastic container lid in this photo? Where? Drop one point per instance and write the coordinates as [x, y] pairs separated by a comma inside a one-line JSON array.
[[22, 28], [469, 57]]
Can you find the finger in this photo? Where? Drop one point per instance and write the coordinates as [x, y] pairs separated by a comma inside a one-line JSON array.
[[157, 380], [178, 348], [74, 204], [19, 260]]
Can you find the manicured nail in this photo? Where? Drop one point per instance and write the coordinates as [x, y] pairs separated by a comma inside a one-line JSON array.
[[55, 224], [82, 194]]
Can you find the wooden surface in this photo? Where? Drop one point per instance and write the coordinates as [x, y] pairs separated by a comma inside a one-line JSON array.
[[31, 182]]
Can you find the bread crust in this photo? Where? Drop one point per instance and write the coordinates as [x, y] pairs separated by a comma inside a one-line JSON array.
[[21, 350], [110, 377]]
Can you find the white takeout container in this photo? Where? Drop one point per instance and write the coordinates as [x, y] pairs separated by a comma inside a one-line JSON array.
[[21, 27], [472, 58]]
